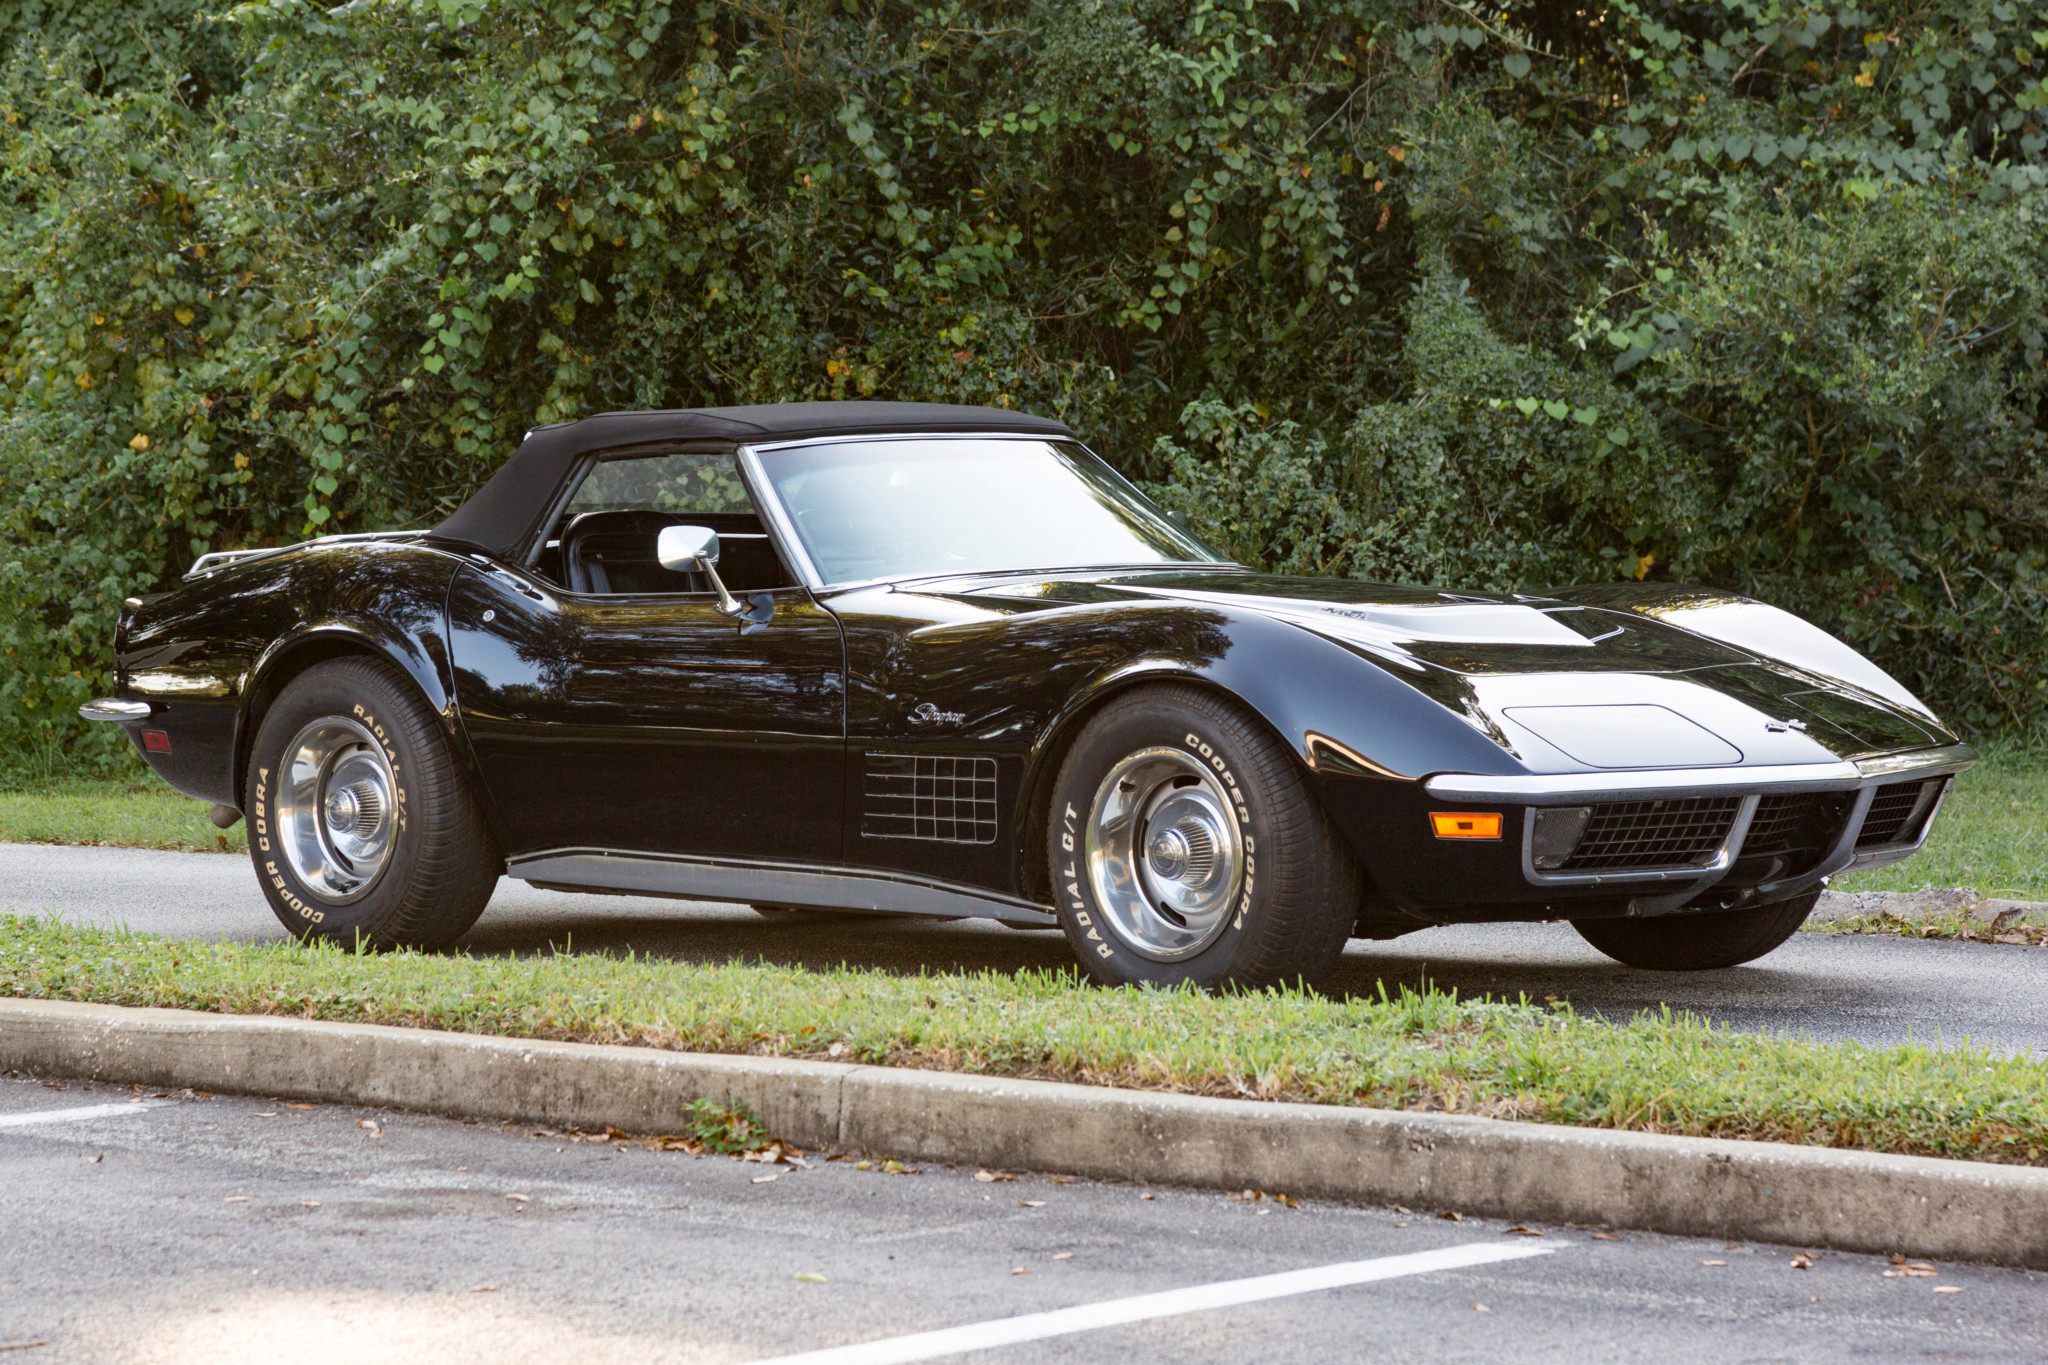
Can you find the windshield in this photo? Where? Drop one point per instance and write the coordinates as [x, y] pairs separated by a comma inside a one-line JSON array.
[[905, 508]]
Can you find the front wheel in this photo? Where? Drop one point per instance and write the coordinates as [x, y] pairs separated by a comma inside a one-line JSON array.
[[1699, 942], [1187, 848], [362, 824]]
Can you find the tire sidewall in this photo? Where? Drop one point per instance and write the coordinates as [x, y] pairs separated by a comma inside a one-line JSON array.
[[1123, 730], [361, 695]]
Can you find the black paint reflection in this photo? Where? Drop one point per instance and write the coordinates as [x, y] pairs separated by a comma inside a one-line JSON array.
[[652, 723]]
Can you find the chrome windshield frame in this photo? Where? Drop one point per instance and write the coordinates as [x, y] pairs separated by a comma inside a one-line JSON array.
[[775, 517]]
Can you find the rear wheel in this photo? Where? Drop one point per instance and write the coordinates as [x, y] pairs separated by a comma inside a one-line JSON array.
[[1187, 847], [1698, 942], [362, 824]]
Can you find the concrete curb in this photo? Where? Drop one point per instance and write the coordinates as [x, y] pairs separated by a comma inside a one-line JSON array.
[[1756, 1191]]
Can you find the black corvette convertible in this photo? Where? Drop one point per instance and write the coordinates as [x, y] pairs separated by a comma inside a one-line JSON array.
[[911, 659]]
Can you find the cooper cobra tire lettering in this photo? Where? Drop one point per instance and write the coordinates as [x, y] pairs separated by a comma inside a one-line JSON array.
[[1300, 883], [442, 863]]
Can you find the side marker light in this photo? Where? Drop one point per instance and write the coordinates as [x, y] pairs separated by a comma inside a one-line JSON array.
[[1465, 824], [156, 741]]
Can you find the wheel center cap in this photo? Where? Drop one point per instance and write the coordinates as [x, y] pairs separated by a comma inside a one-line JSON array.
[[1168, 855], [341, 809]]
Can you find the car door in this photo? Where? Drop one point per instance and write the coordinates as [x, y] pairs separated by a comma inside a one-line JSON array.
[[652, 723], [641, 720]]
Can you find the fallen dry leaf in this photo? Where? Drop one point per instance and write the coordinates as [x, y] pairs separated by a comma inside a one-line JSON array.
[[1481, 1308], [1948, 1289], [1453, 1217], [1063, 1255], [990, 1177], [266, 1114], [1524, 1230], [1147, 1195], [1063, 1179], [371, 1127], [236, 1199], [520, 1198], [1713, 1263], [764, 1179], [894, 1167], [302, 1106], [1605, 1237], [96, 1159], [1021, 1270], [1032, 1203], [483, 1289], [810, 1277], [1802, 1261]]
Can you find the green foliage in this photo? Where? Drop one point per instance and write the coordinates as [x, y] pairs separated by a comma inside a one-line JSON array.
[[1734, 290]]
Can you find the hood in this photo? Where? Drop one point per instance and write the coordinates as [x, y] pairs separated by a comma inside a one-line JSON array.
[[1563, 685], [1415, 628]]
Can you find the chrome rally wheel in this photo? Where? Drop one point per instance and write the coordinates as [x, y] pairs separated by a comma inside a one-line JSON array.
[[336, 808], [1186, 848], [1165, 853], [362, 824]]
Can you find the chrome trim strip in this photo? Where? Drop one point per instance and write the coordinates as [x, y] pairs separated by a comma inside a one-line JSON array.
[[207, 563], [771, 883], [1703, 875], [1572, 789], [218, 559], [1954, 757], [1577, 789], [115, 709]]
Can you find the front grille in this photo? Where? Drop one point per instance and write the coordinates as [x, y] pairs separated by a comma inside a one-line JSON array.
[[1629, 834], [1797, 826], [1892, 814], [944, 799]]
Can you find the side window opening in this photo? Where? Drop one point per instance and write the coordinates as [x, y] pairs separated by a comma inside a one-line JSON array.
[[604, 541]]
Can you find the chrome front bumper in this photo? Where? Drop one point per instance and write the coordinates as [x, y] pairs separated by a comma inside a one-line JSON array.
[[1670, 888]]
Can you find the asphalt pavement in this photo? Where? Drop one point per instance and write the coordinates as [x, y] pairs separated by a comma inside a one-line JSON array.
[[1868, 988], [149, 1227]]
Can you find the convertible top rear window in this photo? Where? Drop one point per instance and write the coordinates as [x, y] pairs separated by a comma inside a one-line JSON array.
[[906, 508]]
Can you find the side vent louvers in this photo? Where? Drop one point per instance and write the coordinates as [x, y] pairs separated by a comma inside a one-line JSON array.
[[942, 798]]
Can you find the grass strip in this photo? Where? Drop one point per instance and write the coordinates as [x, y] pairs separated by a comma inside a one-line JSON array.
[[1661, 1073], [115, 814]]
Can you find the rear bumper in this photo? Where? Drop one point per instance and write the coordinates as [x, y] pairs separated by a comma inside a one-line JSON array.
[[115, 709], [1921, 776]]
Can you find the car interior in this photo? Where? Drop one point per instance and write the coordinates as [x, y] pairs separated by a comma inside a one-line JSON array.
[[611, 550]]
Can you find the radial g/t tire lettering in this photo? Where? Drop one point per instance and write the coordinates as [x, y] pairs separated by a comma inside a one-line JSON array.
[[362, 824], [1186, 846]]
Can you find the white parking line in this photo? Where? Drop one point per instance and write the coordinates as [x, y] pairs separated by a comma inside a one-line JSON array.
[[90, 1111], [981, 1336]]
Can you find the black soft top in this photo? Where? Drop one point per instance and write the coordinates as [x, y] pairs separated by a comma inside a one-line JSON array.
[[500, 516]]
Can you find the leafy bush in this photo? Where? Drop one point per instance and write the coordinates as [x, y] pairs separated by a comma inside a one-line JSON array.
[[1749, 293]]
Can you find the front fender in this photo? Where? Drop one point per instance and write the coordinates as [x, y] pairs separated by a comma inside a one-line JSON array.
[[1757, 627], [1365, 735]]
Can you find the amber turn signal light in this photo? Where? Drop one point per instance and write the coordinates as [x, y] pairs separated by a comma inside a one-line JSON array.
[[1460, 824]]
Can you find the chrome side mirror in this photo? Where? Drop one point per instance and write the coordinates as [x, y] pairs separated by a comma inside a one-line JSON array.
[[694, 549]]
